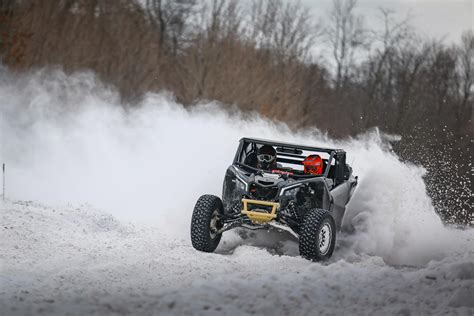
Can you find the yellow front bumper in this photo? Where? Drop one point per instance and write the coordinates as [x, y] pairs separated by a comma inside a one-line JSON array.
[[260, 217]]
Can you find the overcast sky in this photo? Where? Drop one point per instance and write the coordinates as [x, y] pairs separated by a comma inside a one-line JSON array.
[[432, 18]]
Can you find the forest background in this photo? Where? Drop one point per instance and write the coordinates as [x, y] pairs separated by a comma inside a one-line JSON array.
[[264, 56]]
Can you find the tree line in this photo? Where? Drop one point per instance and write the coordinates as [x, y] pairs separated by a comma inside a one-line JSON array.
[[263, 55]]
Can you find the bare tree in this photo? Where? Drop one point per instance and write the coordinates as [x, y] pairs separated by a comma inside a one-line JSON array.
[[466, 56], [345, 34], [170, 18], [12, 39], [284, 28], [387, 45]]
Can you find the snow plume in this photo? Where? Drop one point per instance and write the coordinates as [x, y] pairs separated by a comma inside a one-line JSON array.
[[68, 139]]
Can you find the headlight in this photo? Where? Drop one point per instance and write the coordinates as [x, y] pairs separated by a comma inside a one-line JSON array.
[[240, 184], [291, 191]]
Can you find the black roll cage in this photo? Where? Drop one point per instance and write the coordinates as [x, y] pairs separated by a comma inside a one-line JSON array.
[[338, 155]]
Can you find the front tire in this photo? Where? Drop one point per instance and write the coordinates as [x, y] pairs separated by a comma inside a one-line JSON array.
[[317, 235], [206, 221]]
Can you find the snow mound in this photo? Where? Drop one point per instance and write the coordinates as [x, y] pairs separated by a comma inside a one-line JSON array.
[[462, 297], [79, 260], [460, 271]]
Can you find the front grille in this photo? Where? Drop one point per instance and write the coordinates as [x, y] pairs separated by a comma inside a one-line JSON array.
[[263, 193]]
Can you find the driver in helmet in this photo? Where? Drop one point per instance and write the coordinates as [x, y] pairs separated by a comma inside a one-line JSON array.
[[266, 158], [313, 164]]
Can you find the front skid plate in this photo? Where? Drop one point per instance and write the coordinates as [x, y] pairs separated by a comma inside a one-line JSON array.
[[272, 224]]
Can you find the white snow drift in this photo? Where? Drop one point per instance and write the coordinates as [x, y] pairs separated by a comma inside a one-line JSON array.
[[67, 139], [78, 260]]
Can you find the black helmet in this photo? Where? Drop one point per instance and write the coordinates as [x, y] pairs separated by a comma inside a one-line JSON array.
[[266, 158]]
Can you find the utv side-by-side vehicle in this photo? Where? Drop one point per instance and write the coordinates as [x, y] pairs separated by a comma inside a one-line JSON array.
[[309, 206]]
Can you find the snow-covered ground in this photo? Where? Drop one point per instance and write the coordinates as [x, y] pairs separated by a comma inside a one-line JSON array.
[[78, 260], [68, 140]]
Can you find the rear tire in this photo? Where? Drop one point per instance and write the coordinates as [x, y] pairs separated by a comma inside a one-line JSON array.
[[206, 220], [317, 235]]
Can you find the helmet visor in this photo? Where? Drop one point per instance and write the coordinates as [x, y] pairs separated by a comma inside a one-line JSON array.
[[265, 158]]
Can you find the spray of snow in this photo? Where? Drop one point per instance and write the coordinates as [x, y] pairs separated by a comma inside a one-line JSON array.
[[68, 139]]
